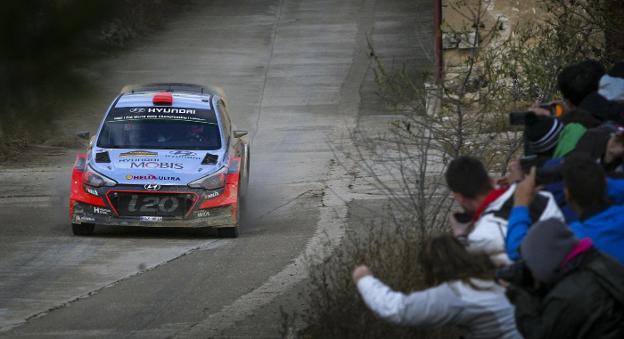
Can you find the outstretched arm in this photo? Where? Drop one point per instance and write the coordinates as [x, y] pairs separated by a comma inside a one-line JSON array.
[[431, 307]]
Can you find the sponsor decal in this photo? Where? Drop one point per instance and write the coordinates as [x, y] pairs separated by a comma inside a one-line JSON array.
[[150, 218], [137, 110], [151, 177], [139, 159], [212, 195], [183, 153], [152, 187], [138, 154], [159, 165], [84, 219], [203, 213], [100, 210], [168, 110]]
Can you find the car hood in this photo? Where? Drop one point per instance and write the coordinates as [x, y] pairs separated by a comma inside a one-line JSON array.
[[165, 167]]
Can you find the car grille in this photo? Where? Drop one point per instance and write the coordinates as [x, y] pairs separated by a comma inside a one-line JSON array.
[[150, 204]]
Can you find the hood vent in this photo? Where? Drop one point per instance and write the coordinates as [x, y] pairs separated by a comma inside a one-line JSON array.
[[210, 159], [102, 157]]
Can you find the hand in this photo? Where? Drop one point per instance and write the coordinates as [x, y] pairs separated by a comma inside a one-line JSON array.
[[525, 191], [538, 110], [515, 171], [360, 272]]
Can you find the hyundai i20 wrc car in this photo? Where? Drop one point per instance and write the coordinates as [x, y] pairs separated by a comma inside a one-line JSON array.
[[165, 155]]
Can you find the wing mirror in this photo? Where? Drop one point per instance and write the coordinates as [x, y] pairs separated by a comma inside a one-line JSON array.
[[239, 134]]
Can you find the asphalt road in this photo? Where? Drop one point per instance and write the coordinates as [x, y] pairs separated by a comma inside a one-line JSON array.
[[298, 77]]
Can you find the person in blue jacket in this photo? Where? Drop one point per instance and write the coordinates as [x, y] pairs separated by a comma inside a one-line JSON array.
[[585, 188]]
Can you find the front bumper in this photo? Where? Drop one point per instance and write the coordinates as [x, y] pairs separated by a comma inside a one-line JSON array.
[[208, 217], [216, 208]]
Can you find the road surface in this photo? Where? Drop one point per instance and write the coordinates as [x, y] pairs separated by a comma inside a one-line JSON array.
[[298, 76]]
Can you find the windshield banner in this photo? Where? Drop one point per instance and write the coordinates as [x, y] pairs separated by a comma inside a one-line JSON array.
[[161, 113]]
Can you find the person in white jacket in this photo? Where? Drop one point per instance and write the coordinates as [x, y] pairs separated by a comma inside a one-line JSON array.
[[463, 293], [489, 208]]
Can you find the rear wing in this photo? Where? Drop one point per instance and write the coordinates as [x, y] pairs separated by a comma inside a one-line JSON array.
[[174, 87]]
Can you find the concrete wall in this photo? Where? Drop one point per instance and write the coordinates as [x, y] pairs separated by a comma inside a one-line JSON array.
[[499, 15]]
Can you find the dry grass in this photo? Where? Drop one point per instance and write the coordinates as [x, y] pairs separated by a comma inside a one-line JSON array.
[[335, 309]]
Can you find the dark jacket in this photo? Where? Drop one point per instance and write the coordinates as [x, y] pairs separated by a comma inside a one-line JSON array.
[[603, 109], [586, 301], [594, 143]]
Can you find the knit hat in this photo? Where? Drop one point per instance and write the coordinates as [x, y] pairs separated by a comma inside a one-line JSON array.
[[542, 134], [545, 246], [612, 84]]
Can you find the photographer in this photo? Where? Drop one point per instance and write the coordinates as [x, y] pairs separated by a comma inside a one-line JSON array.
[[565, 288], [488, 208], [605, 144], [586, 190], [463, 293], [580, 86]]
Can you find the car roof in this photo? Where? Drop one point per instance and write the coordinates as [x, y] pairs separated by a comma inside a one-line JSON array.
[[136, 100], [180, 100]]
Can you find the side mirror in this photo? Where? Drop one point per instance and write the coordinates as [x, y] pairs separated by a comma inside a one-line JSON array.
[[239, 134], [86, 135]]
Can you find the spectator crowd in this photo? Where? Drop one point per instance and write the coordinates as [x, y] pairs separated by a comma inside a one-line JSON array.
[[539, 253]]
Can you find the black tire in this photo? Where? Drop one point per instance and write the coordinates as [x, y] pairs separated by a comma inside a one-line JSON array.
[[228, 232], [245, 171], [231, 231], [83, 229]]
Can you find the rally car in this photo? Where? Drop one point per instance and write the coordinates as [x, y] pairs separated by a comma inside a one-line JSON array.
[[164, 155]]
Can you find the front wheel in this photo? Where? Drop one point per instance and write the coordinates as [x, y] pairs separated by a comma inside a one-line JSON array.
[[231, 231], [244, 171], [83, 229], [228, 232]]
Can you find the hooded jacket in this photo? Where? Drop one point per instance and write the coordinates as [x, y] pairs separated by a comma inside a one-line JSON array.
[[586, 301], [606, 230], [482, 312], [490, 230]]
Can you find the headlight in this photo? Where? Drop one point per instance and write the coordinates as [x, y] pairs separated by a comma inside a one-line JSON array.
[[211, 182], [94, 179]]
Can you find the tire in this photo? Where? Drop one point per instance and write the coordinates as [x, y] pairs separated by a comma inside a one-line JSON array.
[[83, 229], [231, 231], [244, 170], [227, 232]]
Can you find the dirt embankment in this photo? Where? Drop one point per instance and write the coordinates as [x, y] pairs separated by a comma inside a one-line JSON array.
[[46, 45]]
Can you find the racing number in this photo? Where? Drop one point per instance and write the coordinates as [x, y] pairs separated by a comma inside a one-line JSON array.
[[153, 204]]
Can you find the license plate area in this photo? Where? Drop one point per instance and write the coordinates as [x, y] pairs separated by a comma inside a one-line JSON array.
[[135, 204]]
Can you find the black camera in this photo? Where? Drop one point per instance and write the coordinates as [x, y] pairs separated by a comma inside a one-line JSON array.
[[462, 218], [516, 274], [521, 118], [543, 175]]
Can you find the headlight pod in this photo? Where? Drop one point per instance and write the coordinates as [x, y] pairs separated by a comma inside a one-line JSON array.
[[213, 181], [94, 179]]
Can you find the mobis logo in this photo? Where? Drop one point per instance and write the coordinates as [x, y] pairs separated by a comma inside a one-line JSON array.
[[161, 165], [170, 110]]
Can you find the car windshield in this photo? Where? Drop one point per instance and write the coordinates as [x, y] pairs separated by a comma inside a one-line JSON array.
[[160, 134]]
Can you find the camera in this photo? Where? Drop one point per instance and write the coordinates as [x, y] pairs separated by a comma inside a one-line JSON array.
[[516, 274], [555, 108], [521, 118], [543, 175], [462, 218], [526, 118]]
